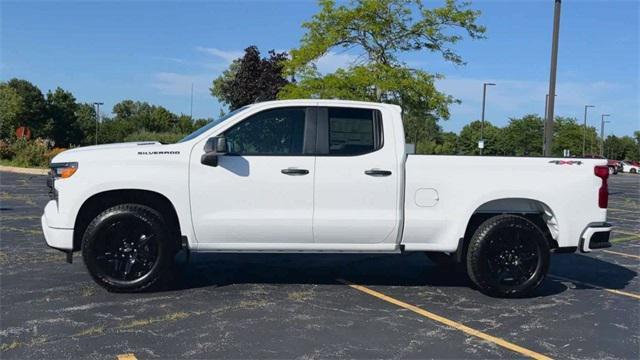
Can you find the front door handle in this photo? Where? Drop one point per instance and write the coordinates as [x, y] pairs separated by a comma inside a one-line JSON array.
[[294, 172], [377, 172]]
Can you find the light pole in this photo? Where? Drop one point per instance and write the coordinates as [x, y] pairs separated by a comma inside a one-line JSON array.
[[584, 133], [544, 123], [548, 129], [484, 100], [602, 133], [97, 104]]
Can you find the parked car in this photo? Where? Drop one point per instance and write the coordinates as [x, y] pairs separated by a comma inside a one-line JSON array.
[[323, 176], [614, 165], [629, 167]]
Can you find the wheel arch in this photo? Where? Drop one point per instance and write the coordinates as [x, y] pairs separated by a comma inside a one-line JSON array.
[[101, 201], [534, 210]]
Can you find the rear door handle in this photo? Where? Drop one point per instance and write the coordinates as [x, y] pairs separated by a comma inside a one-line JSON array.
[[377, 172], [294, 172]]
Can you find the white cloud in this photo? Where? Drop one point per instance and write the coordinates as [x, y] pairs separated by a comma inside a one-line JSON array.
[[169, 83], [227, 55]]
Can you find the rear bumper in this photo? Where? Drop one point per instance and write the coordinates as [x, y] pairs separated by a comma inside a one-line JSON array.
[[595, 236]]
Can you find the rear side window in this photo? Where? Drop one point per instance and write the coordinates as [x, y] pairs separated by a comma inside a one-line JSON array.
[[272, 132], [353, 131]]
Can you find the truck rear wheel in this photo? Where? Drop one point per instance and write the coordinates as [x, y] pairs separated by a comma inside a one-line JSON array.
[[127, 248], [508, 256]]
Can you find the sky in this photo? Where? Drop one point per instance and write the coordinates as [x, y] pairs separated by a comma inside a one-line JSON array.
[[154, 51]]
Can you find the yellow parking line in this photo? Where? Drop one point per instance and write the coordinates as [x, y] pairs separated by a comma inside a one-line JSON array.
[[621, 254], [614, 291], [456, 325], [126, 357], [623, 219]]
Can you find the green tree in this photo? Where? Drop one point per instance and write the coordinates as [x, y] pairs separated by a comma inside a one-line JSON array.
[[381, 31], [621, 148], [522, 136], [86, 123], [143, 116], [567, 134], [250, 78], [32, 111], [470, 135], [10, 107], [62, 109]]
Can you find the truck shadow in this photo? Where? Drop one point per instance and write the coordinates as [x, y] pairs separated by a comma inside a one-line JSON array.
[[412, 269]]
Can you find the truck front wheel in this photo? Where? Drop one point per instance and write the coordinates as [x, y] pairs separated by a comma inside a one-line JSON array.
[[508, 256], [126, 248]]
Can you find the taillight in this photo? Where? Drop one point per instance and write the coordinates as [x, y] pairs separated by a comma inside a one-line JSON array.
[[603, 194]]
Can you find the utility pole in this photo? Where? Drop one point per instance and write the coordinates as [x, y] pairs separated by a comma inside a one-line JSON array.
[[97, 104], [602, 122], [484, 98], [584, 132], [548, 130]]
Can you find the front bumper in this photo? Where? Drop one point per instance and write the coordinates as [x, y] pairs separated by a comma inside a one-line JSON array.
[[61, 239], [595, 236]]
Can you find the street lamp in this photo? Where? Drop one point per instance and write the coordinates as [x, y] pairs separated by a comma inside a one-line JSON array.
[[584, 133], [544, 126], [97, 104], [602, 133], [484, 98]]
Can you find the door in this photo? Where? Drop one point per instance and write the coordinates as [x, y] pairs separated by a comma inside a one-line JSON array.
[[262, 190], [356, 189]]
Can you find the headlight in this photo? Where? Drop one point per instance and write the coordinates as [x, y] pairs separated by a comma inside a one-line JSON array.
[[63, 170]]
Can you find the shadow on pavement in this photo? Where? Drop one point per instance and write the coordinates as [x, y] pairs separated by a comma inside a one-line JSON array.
[[413, 269]]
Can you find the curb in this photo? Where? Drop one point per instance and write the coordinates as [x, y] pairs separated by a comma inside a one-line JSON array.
[[20, 170]]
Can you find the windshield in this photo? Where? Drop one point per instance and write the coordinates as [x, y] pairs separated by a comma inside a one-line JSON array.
[[211, 124]]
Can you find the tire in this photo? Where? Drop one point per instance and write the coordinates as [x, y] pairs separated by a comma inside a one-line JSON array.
[[633, 171], [612, 170], [508, 256], [128, 248], [442, 259]]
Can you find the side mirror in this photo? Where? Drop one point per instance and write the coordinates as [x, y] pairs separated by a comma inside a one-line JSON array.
[[213, 148]]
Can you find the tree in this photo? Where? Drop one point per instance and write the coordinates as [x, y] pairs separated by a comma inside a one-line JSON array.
[[567, 134], [522, 136], [381, 31], [470, 135], [32, 111], [621, 148], [61, 109], [10, 107], [86, 123], [250, 79], [143, 116]]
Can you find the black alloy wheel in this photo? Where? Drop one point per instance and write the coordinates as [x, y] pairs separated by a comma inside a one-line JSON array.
[[127, 248], [508, 256]]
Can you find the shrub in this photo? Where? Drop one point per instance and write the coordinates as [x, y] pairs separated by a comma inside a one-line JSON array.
[[30, 153], [6, 150], [52, 153]]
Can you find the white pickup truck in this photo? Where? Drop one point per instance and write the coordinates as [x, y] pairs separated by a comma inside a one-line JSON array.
[[319, 176]]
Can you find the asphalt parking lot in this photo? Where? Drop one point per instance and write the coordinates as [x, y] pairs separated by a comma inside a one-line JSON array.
[[296, 306]]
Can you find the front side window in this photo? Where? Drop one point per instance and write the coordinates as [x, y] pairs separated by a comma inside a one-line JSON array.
[[271, 132], [353, 131]]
